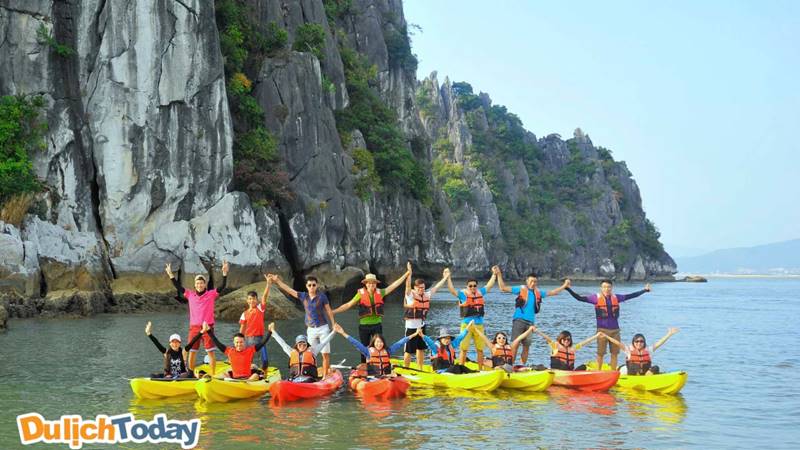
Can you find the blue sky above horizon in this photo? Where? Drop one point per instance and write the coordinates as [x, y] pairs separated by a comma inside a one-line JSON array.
[[700, 99]]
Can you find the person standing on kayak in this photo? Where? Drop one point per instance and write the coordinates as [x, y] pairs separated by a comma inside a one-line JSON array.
[[606, 308], [318, 315], [302, 357], [201, 309], [378, 356], [174, 362], [251, 324], [639, 360], [370, 305], [471, 304], [443, 350], [240, 356], [416, 307], [527, 305]]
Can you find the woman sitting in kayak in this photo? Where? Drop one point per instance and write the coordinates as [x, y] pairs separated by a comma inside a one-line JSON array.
[[503, 352], [239, 356], [377, 354], [639, 361], [443, 350], [562, 352], [302, 357], [174, 361]]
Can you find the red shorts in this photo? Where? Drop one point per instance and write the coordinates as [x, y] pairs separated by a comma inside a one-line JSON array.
[[194, 330]]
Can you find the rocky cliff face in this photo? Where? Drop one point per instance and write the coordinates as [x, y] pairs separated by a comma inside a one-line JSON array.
[[139, 160]]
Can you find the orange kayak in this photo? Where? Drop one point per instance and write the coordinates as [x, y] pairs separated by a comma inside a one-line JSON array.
[[586, 380], [379, 388], [289, 391]]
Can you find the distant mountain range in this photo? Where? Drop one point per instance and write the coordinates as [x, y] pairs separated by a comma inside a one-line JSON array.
[[780, 258]]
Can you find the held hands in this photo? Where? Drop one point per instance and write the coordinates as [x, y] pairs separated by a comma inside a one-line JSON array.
[[567, 283], [446, 272], [205, 327], [532, 328], [496, 270], [225, 268], [672, 331], [168, 269], [418, 333], [470, 324], [338, 328], [408, 266], [647, 287], [148, 328]]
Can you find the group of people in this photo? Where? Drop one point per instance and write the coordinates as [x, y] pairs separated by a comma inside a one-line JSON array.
[[321, 327]]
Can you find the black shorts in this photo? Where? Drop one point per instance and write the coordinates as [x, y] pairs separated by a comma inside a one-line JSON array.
[[415, 343]]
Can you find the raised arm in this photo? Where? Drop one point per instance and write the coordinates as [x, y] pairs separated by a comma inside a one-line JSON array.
[[175, 283], [316, 348], [408, 279], [490, 283], [450, 286], [285, 287], [284, 346], [402, 342], [148, 331], [577, 296], [345, 306], [587, 340], [263, 341], [624, 297], [483, 337], [500, 282], [661, 341], [558, 290], [222, 347], [191, 343], [396, 283], [457, 341], [547, 338], [615, 342], [353, 341], [265, 295], [225, 268], [445, 277], [522, 336]]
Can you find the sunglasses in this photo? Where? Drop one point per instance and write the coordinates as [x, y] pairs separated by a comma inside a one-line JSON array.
[[472, 285], [311, 284], [639, 341]]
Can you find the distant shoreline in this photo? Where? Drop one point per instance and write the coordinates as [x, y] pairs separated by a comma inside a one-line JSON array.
[[731, 275]]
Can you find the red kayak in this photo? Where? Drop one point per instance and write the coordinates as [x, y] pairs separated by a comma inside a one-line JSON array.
[[586, 380], [379, 388], [289, 391]]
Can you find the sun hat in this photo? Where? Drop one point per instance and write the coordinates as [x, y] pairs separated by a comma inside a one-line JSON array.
[[175, 337], [443, 333], [370, 278]]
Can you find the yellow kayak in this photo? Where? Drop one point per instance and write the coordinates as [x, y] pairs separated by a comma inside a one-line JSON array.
[[662, 383], [479, 381], [222, 367], [215, 390], [530, 381], [155, 388]]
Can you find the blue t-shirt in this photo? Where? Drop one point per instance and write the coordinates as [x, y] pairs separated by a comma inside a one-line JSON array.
[[527, 312], [315, 309], [463, 299]]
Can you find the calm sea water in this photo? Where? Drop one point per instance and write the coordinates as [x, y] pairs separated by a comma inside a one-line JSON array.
[[738, 341]]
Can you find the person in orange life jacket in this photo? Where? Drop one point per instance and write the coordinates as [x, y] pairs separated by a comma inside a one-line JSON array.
[[201, 309], [318, 314], [174, 357], [240, 357], [302, 357], [416, 307], [370, 305], [251, 323], [502, 353], [639, 361], [562, 352], [443, 351], [471, 305], [606, 309], [377, 353], [528, 303]]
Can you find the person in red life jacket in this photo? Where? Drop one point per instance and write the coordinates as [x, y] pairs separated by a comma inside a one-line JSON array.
[[502, 352], [443, 351], [471, 305], [639, 360], [174, 362], [370, 305], [562, 351], [606, 309], [416, 307], [240, 356], [318, 314], [302, 357], [201, 309], [251, 323], [527, 305], [377, 353]]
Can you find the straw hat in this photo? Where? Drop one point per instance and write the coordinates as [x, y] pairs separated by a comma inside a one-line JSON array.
[[370, 278]]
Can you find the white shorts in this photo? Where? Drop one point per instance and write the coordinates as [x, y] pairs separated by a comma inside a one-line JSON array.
[[316, 335]]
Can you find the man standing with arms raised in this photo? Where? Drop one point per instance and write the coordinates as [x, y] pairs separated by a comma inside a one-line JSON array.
[[416, 306], [471, 303], [606, 309], [529, 300], [318, 315]]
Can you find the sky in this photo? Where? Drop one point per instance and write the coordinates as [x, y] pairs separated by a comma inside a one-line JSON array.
[[700, 99]]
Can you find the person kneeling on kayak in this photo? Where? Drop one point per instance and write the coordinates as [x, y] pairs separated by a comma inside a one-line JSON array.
[[239, 356], [443, 350], [639, 361], [174, 361], [377, 354], [502, 352], [562, 352], [302, 357]]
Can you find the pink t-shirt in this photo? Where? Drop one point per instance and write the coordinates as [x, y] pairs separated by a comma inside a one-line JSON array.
[[201, 307]]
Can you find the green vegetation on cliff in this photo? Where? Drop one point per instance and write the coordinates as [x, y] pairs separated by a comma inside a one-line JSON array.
[[22, 132]]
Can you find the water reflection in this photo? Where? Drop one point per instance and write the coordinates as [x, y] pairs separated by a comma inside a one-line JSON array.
[[667, 409]]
